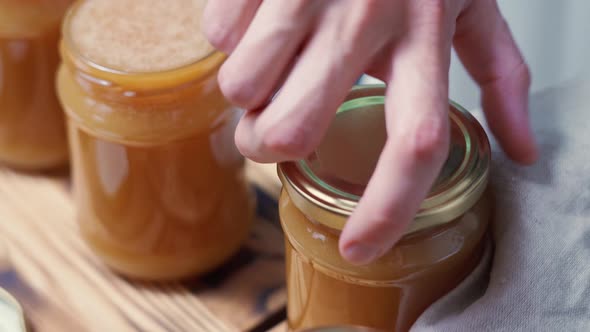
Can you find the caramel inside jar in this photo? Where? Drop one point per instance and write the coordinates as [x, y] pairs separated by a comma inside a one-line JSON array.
[[32, 125], [159, 184]]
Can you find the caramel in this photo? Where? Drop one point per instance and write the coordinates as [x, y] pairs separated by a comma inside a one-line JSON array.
[[140, 36], [32, 126], [159, 184], [388, 294]]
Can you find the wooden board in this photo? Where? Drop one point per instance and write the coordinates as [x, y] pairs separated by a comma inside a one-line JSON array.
[[64, 286]]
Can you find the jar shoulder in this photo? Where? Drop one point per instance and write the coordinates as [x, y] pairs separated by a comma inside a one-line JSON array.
[[425, 251], [141, 117]]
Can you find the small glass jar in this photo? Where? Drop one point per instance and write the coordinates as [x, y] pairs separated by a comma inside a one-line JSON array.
[[159, 184], [32, 126], [443, 245]]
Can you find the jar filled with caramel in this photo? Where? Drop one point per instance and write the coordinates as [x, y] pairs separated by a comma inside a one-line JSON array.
[[159, 184], [442, 246], [32, 127]]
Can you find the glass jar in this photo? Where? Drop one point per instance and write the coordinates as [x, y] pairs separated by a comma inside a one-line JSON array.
[[32, 127], [443, 245], [159, 184]]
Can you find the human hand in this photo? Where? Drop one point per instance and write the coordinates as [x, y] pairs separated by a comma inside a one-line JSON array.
[[313, 51]]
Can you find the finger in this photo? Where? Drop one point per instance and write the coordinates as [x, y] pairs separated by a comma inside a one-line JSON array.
[[292, 125], [418, 139], [225, 21], [488, 51], [250, 75]]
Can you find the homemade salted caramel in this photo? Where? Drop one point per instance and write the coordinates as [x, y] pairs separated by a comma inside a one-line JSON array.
[[140, 36], [443, 245], [32, 126], [159, 184]]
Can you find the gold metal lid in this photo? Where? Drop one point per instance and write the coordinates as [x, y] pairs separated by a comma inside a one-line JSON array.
[[328, 184]]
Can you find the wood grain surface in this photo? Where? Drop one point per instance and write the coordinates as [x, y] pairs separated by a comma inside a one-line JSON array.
[[64, 287]]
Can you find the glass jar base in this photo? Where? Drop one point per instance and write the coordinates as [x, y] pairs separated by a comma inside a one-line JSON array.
[[161, 267]]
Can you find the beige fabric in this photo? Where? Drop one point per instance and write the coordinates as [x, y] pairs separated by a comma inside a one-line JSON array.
[[540, 271]]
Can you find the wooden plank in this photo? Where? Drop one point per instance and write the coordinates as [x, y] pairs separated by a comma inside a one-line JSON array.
[[37, 224]]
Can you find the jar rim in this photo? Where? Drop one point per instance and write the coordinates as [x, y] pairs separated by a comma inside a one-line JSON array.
[[316, 187], [148, 80]]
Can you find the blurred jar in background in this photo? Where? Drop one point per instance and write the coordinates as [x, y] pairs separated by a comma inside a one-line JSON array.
[[159, 184], [32, 127], [442, 246]]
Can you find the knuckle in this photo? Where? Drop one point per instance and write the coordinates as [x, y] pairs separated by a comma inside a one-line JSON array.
[[429, 141], [237, 92], [246, 150], [526, 74], [518, 75], [243, 147], [292, 143], [241, 138], [245, 143], [217, 35]]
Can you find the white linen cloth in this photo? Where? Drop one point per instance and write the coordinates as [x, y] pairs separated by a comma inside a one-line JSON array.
[[539, 276]]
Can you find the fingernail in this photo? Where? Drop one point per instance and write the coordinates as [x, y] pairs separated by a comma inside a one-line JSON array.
[[360, 253]]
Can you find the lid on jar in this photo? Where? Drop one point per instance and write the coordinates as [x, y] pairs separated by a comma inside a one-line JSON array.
[[327, 185]]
